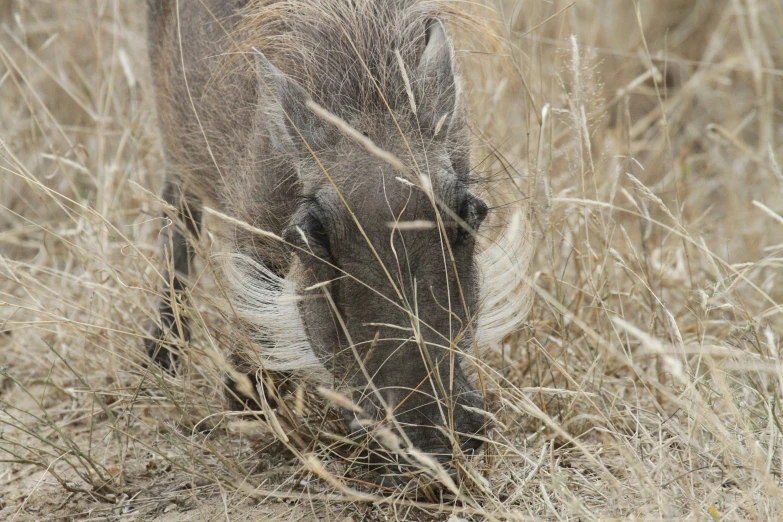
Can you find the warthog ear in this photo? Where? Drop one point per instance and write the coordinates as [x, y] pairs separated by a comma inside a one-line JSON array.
[[437, 89], [283, 114]]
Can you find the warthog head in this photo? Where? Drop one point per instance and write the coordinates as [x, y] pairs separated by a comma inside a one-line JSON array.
[[384, 237]]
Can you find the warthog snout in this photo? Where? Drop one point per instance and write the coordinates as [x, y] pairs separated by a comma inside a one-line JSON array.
[[435, 413]]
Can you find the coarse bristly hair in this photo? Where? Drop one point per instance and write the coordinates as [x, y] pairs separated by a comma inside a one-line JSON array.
[[266, 304], [504, 290], [344, 53]]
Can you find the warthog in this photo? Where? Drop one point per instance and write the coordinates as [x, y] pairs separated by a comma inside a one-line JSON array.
[[336, 126]]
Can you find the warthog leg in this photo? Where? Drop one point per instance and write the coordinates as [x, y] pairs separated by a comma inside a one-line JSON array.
[[176, 252]]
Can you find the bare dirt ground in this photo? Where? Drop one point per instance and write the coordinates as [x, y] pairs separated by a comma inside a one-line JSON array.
[[641, 139]]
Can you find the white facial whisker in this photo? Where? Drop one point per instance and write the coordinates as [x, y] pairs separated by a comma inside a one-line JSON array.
[[268, 304], [504, 296]]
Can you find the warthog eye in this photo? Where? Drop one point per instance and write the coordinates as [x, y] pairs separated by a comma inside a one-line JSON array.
[[316, 233], [472, 212], [307, 230]]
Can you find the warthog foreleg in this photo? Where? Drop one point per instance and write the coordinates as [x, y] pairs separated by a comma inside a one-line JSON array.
[[177, 253]]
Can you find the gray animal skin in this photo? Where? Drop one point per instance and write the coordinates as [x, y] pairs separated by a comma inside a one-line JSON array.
[[233, 80]]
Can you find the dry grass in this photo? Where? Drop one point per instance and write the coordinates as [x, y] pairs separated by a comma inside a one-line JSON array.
[[642, 138]]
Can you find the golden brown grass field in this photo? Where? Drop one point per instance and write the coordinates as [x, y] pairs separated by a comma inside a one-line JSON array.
[[643, 139]]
